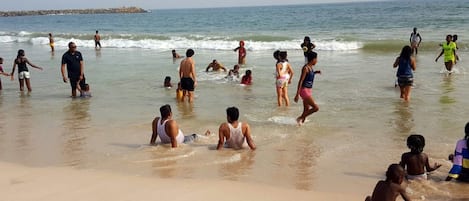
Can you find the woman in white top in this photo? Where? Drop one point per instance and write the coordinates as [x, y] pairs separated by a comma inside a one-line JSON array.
[[284, 75]]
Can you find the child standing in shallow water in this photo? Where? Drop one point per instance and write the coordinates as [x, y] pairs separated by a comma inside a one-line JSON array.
[[389, 189], [1, 72], [416, 161], [305, 88], [23, 72]]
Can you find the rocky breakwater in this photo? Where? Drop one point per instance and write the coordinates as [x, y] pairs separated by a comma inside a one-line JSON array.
[[73, 11]]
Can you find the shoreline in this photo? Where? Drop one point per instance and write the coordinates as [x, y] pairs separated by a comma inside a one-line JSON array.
[[73, 11], [62, 183]]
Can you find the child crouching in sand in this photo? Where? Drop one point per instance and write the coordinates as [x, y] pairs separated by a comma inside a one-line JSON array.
[[416, 161], [389, 189]]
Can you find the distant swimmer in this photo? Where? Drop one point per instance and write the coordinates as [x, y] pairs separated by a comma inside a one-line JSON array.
[[175, 54], [167, 82], [404, 74], [51, 42], [247, 78], [215, 66], [233, 73], [449, 51], [307, 46], [97, 40], [233, 133], [241, 53], [415, 40]]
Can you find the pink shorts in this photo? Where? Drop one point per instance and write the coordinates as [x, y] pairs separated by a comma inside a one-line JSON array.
[[306, 92]]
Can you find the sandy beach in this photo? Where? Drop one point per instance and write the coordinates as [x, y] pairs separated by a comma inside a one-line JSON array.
[[20, 183]]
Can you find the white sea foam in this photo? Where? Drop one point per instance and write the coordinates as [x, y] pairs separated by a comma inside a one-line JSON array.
[[195, 42]]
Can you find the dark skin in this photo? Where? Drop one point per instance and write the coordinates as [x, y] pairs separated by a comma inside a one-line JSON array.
[[416, 163], [387, 191], [171, 129]]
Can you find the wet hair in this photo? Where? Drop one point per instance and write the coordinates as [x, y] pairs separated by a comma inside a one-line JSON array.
[[248, 72], [236, 66], [395, 173], [466, 137], [449, 36], [190, 52], [87, 87], [276, 54], [282, 55], [96, 31], [173, 50], [165, 111], [241, 43], [1, 59], [455, 38], [50, 34], [214, 61], [232, 113], [416, 143], [20, 54], [311, 56], [307, 39], [167, 79], [406, 53]]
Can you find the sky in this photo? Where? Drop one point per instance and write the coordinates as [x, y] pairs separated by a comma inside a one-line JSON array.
[[15, 5]]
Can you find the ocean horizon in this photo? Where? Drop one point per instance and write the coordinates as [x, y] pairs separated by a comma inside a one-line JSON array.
[[344, 148]]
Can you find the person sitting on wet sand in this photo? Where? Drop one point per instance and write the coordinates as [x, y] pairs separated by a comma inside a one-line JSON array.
[[168, 130], [234, 134], [416, 161], [216, 66], [389, 189], [460, 159]]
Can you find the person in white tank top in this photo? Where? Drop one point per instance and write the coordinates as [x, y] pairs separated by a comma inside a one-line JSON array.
[[284, 77], [234, 134], [167, 129]]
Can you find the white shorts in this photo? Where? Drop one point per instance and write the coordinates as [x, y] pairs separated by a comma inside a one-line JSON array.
[[23, 75]]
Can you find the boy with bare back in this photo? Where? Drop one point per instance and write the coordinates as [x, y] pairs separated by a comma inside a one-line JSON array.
[[187, 76], [389, 189]]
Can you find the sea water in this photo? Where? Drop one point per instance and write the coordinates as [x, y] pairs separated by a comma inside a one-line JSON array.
[[360, 129]]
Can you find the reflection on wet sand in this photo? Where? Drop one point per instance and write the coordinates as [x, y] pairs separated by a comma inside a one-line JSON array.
[[447, 87], [404, 121], [22, 140], [75, 124], [306, 153], [238, 166]]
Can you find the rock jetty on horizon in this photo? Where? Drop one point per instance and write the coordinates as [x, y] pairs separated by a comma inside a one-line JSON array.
[[73, 11]]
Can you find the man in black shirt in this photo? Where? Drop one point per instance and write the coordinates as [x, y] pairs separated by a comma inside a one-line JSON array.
[[75, 71]]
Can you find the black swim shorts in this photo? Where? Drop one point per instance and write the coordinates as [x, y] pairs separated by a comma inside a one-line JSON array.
[[405, 81], [187, 83]]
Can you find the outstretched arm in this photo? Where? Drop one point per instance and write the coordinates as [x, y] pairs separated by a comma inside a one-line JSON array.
[[441, 53], [32, 65]]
